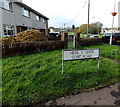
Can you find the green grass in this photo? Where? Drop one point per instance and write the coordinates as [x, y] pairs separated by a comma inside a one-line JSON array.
[[30, 79], [70, 45], [82, 35], [70, 33], [107, 51], [100, 36], [0, 82]]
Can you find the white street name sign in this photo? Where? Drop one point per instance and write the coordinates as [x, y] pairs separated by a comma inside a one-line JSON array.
[[70, 55]]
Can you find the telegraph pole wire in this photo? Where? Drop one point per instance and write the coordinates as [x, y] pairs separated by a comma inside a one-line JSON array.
[[78, 13]]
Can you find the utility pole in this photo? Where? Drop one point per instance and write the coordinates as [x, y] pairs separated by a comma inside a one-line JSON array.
[[113, 14], [99, 26], [88, 17], [64, 26]]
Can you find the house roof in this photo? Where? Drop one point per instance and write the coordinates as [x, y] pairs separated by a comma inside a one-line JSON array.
[[24, 5]]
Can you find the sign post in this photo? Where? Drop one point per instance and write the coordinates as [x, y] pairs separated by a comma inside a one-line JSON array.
[[98, 62], [62, 62], [70, 55], [74, 41]]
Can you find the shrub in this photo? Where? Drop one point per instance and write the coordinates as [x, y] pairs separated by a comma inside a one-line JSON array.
[[26, 36]]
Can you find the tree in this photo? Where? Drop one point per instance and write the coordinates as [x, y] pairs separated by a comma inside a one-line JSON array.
[[68, 29], [48, 30], [95, 28], [82, 29], [73, 27]]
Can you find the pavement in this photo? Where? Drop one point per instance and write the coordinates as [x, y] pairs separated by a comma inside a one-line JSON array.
[[109, 95]]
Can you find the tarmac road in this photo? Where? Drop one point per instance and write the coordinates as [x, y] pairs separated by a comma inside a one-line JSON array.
[[106, 96]]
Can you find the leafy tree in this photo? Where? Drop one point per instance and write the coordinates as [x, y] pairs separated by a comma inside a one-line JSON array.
[[73, 27], [48, 30], [106, 28], [95, 28], [69, 29], [82, 29]]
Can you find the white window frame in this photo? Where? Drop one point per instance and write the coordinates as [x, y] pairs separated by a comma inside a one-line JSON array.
[[37, 18], [24, 10], [8, 28], [42, 19], [6, 5]]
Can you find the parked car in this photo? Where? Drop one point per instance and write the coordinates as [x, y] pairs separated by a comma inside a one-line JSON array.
[[71, 35], [93, 36], [54, 34], [115, 38], [88, 35]]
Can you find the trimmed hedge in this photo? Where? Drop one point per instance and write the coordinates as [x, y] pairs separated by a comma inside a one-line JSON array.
[[89, 41]]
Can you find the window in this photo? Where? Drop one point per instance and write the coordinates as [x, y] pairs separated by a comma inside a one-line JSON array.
[[40, 19], [43, 20], [6, 4], [0, 3], [37, 18], [25, 12], [8, 30]]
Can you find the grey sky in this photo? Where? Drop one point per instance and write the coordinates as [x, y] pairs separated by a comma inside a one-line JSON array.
[[63, 11]]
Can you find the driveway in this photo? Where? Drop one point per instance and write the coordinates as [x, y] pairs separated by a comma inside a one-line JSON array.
[[105, 96]]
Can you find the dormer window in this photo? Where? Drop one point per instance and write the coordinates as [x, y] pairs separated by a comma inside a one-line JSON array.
[[25, 12], [37, 18], [43, 20]]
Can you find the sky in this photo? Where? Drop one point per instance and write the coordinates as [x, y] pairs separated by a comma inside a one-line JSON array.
[[75, 12]]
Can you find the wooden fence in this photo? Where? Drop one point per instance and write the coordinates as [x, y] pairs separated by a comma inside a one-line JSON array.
[[12, 49], [54, 38]]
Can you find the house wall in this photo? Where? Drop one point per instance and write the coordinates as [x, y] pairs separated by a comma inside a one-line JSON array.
[[16, 18], [8, 18], [1, 31]]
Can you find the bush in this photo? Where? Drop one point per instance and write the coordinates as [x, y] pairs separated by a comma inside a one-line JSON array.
[[26, 36], [90, 41]]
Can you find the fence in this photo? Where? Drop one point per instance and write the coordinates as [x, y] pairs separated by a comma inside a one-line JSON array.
[[12, 49], [54, 38], [21, 48], [86, 41]]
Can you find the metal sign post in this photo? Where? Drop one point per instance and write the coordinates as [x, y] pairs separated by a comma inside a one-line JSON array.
[[62, 62], [74, 42], [70, 55], [98, 63]]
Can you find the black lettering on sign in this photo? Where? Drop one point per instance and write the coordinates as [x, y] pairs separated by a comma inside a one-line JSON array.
[[89, 51], [89, 56], [74, 52], [83, 56], [81, 52], [76, 56]]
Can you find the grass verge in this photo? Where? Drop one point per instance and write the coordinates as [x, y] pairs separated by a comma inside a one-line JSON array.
[[34, 78], [107, 51]]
